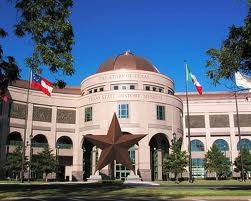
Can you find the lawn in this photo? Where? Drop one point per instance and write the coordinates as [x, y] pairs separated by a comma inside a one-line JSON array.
[[207, 182], [116, 190]]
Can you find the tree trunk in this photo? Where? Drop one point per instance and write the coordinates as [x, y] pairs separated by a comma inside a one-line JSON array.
[[46, 179], [216, 176], [176, 178]]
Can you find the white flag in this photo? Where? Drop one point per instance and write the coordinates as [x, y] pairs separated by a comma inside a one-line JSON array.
[[242, 80]]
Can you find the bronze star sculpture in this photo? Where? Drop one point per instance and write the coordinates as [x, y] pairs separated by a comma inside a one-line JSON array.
[[114, 145]]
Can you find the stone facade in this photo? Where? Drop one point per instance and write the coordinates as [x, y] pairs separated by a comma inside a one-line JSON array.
[[150, 107]]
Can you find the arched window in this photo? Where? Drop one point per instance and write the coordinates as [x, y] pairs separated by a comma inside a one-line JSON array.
[[197, 145], [246, 143], [39, 141], [14, 138], [64, 142], [222, 144]]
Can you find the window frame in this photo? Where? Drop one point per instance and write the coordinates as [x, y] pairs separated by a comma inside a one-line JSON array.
[[161, 112], [123, 110], [88, 118]]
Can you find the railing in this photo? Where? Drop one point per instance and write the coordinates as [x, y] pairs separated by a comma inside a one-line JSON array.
[[64, 146], [15, 143], [39, 144]]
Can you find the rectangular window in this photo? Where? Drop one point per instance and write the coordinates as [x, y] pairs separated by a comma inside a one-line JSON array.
[[101, 89], [132, 87], [90, 91], [123, 110], [170, 92], [88, 114], [154, 89], [147, 88], [95, 90], [116, 87], [161, 89], [123, 87], [160, 112]]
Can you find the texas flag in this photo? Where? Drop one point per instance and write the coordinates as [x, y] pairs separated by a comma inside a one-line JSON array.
[[41, 83], [191, 77]]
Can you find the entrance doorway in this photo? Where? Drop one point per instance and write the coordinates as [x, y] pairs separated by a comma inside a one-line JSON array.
[[121, 172], [159, 148]]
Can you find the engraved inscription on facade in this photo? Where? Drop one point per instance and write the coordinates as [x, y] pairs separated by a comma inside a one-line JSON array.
[[244, 120], [42, 114], [17, 111], [66, 116], [219, 121], [196, 121], [124, 76]]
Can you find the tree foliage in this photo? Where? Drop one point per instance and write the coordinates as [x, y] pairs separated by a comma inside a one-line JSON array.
[[9, 70], [13, 163], [246, 156], [216, 161], [44, 162], [233, 55], [176, 161], [47, 22]]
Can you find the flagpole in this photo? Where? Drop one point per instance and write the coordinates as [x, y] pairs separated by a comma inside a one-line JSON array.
[[25, 129], [188, 127], [239, 135]]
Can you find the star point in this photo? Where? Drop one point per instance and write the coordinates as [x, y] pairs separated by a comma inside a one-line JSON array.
[[114, 145]]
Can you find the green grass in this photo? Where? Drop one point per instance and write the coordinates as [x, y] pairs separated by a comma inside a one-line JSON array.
[[206, 182], [115, 190]]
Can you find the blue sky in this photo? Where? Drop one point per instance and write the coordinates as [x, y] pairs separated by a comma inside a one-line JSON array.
[[166, 32]]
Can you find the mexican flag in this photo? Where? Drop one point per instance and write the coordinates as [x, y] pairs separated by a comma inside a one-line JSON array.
[[191, 77]]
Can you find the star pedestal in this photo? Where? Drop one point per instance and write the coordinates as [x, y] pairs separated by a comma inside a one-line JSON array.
[[133, 177], [95, 178]]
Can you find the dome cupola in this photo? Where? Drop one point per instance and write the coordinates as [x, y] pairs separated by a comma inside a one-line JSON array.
[[129, 61]]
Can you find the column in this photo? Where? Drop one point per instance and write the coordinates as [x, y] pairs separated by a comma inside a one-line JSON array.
[[159, 155]]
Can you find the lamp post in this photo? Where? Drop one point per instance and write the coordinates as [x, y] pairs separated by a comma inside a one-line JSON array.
[[174, 137], [30, 156]]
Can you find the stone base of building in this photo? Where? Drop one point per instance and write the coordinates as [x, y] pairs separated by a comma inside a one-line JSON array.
[[95, 178], [77, 175], [145, 174]]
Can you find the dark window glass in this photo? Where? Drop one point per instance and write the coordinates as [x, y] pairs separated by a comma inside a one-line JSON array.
[[160, 112], [221, 144], [197, 145], [132, 87], [245, 144], [88, 114]]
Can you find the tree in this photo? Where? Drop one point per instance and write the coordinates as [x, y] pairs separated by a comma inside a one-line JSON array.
[[13, 163], [246, 156], [216, 161], [45, 162], [176, 161], [47, 23], [233, 55], [9, 70]]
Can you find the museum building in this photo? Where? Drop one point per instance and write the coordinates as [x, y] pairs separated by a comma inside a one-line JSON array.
[[145, 103]]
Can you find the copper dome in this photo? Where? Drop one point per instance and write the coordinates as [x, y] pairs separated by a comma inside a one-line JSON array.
[[127, 61]]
